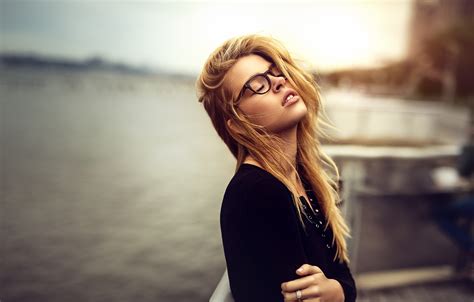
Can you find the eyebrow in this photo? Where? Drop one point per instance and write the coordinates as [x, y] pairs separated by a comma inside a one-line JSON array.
[[269, 67]]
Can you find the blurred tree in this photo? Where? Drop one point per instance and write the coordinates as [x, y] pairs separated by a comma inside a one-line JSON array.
[[449, 53], [442, 69]]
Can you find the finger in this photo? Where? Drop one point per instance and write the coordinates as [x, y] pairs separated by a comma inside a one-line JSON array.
[[312, 269], [294, 285], [307, 269], [300, 283], [307, 293], [304, 269], [293, 296]]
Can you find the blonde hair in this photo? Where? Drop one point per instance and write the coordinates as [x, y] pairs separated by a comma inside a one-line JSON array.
[[254, 140]]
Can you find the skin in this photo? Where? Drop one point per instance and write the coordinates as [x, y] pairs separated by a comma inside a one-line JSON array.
[[314, 286], [267, 110]]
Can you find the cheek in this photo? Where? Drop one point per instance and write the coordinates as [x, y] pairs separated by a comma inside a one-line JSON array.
[[261, 112]]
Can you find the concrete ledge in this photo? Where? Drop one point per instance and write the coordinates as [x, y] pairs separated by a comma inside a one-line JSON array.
[[371, 152], [396, 278]]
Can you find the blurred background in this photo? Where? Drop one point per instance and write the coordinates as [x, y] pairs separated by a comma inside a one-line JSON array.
[[112, 175]]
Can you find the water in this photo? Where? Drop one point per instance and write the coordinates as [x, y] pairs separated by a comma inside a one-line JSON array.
[[111, 189]]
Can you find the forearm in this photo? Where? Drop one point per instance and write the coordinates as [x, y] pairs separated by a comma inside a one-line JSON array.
[[338, 290], [349, 292]]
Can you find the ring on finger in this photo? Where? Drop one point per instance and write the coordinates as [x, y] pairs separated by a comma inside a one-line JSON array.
[[298, 294]]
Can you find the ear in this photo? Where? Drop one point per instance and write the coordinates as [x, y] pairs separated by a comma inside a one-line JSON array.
[[232, 126]]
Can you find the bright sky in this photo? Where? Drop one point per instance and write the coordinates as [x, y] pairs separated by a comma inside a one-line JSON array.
[[179, 36]]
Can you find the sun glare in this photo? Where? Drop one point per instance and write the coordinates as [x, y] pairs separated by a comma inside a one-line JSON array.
[[342, 39], [330, 35]]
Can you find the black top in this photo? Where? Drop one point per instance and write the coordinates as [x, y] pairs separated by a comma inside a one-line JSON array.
[[465, 162], [264, 241]]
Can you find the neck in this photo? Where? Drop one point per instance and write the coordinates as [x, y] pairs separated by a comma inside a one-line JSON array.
[[289, 137], [290, 146]]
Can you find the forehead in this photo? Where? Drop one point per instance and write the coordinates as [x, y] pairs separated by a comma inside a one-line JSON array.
[[244, 69]]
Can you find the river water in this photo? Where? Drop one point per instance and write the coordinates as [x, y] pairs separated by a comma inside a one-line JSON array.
[[111, 189]]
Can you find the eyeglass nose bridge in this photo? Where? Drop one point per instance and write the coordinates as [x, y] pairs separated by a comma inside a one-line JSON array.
[[278, 79], [269, 81], [269, 84]]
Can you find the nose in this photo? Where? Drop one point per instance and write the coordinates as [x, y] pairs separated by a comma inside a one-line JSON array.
[[277, 82]]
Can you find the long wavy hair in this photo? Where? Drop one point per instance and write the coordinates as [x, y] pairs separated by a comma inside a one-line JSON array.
[[247, 138]]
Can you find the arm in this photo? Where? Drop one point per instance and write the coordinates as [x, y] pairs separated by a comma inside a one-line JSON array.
[[313, 286], [262, 244], [338, 285], [342, 273]]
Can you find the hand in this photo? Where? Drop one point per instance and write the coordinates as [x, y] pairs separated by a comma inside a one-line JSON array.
[[314, 287]]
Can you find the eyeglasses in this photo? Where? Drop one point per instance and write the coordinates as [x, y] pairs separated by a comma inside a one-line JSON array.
[[259, 83]]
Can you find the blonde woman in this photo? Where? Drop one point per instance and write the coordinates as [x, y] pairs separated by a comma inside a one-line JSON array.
[[282, 232]]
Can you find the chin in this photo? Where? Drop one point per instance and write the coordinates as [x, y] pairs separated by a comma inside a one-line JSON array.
[[301, 111], [288, 124], [290, 119]]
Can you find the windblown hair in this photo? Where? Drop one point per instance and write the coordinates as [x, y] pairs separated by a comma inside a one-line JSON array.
[[247, 138]]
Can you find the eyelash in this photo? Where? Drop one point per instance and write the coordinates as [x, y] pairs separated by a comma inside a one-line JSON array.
[[279, 75]]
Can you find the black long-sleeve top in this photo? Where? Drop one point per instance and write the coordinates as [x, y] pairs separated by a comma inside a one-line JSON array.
[[264, 241]]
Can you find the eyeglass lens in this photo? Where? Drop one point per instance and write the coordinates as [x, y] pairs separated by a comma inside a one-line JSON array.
[[259, 84]]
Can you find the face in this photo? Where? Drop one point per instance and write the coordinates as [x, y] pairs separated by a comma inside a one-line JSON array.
[[267, 110]]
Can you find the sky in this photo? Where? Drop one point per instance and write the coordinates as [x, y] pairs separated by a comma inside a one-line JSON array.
[[178, 36]]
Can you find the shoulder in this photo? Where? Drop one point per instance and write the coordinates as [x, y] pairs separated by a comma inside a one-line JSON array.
[[254, 187], [250, 181]]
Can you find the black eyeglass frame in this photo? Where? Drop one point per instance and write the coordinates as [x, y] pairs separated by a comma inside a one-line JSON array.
[[265, 75]]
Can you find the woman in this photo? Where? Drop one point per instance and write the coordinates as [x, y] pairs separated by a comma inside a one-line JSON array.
[[283, 235]]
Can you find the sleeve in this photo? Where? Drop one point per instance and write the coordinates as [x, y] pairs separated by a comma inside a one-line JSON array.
[[465, 163], [262, 244], [342, 273]]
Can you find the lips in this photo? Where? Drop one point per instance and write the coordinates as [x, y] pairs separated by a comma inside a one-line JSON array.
[[287, 93]]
